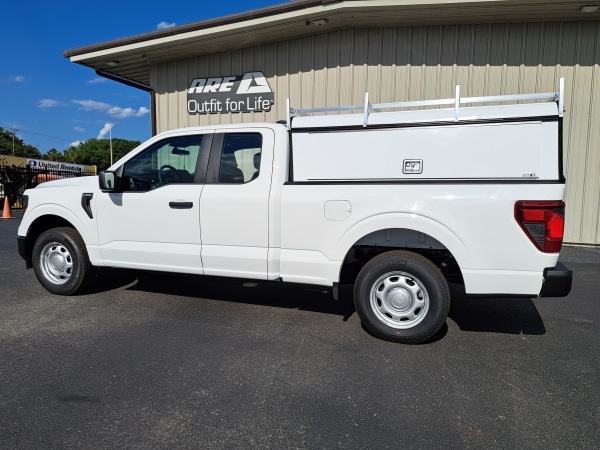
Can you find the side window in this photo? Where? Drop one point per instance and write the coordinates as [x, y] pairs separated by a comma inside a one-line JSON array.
[[167, 162], [240, 159]]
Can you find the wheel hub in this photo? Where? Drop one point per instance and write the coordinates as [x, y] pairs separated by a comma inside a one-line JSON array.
[[399, 299], [56, 263]]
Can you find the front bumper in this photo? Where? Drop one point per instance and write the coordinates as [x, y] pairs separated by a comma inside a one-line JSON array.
[[22, 246], [557, 281]]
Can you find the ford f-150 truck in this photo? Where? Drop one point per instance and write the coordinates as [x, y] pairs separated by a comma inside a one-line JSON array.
[[398, 200]]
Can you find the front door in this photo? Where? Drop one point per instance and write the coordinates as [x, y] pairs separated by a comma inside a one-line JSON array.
[[154, 223]]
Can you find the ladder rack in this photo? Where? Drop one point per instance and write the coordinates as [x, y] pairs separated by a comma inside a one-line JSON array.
[[368, 108]]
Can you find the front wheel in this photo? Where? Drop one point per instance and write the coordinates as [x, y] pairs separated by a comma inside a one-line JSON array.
[[61, 262], [401, 296]]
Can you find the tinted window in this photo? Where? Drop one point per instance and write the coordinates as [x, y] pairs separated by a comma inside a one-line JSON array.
[[167, 162], [240, 159]]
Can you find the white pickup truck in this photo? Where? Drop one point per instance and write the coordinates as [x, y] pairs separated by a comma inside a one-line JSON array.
[[396, 200]]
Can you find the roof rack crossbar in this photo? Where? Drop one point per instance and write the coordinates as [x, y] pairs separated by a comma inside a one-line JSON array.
[[304, 111], [367, 107]]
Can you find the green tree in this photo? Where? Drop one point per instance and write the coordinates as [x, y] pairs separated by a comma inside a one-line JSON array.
[[53, 155], [21, 148], [97, 151], [72, 155]]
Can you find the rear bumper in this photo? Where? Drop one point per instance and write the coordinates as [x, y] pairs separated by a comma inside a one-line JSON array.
[[557, 281]]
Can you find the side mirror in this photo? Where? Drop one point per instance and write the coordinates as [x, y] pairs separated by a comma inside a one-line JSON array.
[[108, 181]]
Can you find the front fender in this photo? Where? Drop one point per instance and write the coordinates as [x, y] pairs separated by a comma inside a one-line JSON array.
[[88, 231]]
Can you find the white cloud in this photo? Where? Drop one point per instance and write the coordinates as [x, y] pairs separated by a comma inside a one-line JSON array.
[[97, 80], [91, 105], [104, 131], [16, 79], [113, 111], [163, 25], [124, 113], [76, 143], [81, 130], [49, 103]]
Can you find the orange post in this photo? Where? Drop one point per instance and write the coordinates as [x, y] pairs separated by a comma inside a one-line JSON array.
[[6, 213]]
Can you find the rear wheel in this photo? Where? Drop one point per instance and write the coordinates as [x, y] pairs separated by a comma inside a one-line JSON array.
[[401, 296], [61, 262]]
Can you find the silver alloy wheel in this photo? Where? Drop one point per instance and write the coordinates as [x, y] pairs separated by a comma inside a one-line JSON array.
[[56, 263], [399, 300]]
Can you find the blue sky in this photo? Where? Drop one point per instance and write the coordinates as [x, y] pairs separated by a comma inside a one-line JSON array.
[[54, 102]]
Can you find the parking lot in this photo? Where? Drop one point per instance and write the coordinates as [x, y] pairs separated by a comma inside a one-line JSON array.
[[159, 360]]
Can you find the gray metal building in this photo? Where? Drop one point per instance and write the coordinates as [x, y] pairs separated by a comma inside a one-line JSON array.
[[329, 52]]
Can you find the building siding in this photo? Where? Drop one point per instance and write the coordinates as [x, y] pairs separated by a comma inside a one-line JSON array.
[[417, 63]]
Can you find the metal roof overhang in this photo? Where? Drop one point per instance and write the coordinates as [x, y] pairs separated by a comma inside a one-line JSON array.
[[130, 58]]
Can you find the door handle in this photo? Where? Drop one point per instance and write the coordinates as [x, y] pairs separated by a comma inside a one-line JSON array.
[[181, 205]]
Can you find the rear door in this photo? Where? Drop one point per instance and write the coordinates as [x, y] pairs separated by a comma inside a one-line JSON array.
[[234, 206]]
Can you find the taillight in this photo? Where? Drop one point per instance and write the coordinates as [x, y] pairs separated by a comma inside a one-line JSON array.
[[543, 223], [25, 203]]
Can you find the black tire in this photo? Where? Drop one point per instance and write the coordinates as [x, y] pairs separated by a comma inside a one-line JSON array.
[[401, 296], [61, 262]]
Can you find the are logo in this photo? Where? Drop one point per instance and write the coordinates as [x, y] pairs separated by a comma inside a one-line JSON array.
[[242, 93]]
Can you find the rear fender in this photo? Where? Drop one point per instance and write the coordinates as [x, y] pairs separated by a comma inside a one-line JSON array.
[[413, 222]]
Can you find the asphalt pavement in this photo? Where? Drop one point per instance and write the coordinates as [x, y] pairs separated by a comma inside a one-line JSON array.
[[159, 360]]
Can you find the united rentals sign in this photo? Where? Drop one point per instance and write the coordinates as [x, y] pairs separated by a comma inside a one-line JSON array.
[[50, 165], [218, 95]]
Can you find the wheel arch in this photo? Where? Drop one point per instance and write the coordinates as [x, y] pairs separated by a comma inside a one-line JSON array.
[[397, 232], [45, 220]]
